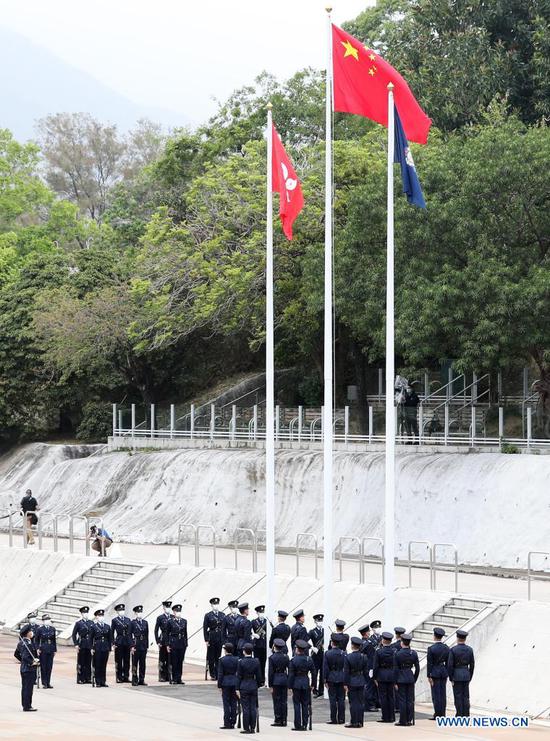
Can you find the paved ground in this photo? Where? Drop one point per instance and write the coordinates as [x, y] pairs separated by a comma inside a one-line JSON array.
[[120, 712], [499, 587]]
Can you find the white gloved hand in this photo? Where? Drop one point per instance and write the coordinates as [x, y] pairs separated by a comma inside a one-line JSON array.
[[371, 673], [255, 636], [315, 650]]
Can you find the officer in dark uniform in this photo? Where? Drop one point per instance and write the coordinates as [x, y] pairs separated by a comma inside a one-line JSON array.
[[333, 672], [356, 673], [29, 661], [298, 632], [437, 673], [212, 628], [259, 637], [121, 628], [82, 639], [227, 681], [281, 630], [33, 622], [316, 635], [299, 670], [46, 645], [343, 638], [248, 681], [243, 628], [461, 664], [140, 646], [101, 646], [383, 676], [404, 661], [368, 649], [375, 632], [277, 680], [396, 646], [161, 639], [229, 633], [177, 644]]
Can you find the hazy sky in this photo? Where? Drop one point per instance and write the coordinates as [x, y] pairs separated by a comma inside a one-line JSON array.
[[176, 54]]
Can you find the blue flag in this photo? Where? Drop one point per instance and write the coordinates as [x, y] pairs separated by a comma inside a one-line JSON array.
[[411, 184]]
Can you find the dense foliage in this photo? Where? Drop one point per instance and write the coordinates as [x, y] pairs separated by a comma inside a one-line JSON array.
[[132, 268]]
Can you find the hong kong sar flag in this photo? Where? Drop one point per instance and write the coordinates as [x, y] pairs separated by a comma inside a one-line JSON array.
[[286, 184]]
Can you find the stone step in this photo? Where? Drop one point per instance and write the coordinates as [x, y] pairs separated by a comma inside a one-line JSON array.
[[472, 605], [113, 581], [115, 567], [456, 618], [87, 594]]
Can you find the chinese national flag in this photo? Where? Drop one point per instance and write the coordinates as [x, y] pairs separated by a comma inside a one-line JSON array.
[[361, 80], [286, 183]]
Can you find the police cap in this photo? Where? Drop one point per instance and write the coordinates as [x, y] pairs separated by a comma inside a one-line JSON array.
[[364, 629], [387, 636], [302, 644], [279, 643], [461, 633], [439, 632], [340, 623], [298, 614], [356, 641], [215, 601], [282, 613], [399, 631]]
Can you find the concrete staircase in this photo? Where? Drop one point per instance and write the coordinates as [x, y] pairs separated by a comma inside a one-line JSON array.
[[90, 588], [454, 614]]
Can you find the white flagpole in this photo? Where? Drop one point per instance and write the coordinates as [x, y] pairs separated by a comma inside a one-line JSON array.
[[327, 411], [389, 500], [269, 393]]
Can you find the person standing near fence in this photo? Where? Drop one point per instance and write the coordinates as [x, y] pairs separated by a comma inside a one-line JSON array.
[[438, 654], [29, 506], [212, 628], [47, 648], [461, 666]]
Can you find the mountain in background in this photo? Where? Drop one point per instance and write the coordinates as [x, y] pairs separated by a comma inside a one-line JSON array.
[[35, 83]]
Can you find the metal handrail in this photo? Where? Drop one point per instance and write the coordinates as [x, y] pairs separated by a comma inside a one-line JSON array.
[[192, 527], [435, 564], [40, 527], [372, 559], [312, 426], [410, 562], [211, 529], [530, 570], [62, 516], [291, 425], [313, 537], [83, 519], [254, 545], [353, 539], [442, 388], [462, 392]]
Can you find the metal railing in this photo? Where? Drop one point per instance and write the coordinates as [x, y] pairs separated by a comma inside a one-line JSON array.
[[369, 558], [444, 566], [340, 553], [541, 576], [313, 538], [420, 563], [253, 547]]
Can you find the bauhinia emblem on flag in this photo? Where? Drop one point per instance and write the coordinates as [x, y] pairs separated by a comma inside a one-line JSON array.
[[360, 80], [403, 155], [286, 183]]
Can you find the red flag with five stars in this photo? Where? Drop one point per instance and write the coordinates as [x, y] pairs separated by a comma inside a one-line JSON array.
[[361, 80], [286, 183]]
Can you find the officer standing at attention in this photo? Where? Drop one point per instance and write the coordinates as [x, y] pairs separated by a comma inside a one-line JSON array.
[[368, 649], [277, 680], [437, 673], [404, 660], [82, 639], [229, 633], [32, 621], [333, 672], [46, 645], [316, 636], [177, 644], [356, 673], [101, 646], [26, 656], [243, 628], [396, 645], [161, 639], [298, 632], [259, 636], [212, 628], [383, 677], [140, 645], [299, 670], [375, 634], [461, 666], [227, 681], [281, 630], [248, 681], [343, 638], [121, 628]]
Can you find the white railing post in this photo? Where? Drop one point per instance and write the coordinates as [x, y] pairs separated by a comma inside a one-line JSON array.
[[380, 384], [525, 383], [420, 423], [426, 384], [500, 423], [529, 429], [300, 422], [133, 419], [499, 386], [192, 421], [152, 420], [120, 419], [473, 425], [371, 423], [212, 420], [446, 423], [449, 383], [474, 389], [255, 421], [114, 419], [346, 424], [233, 421], [277, 422], [172, 419]]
